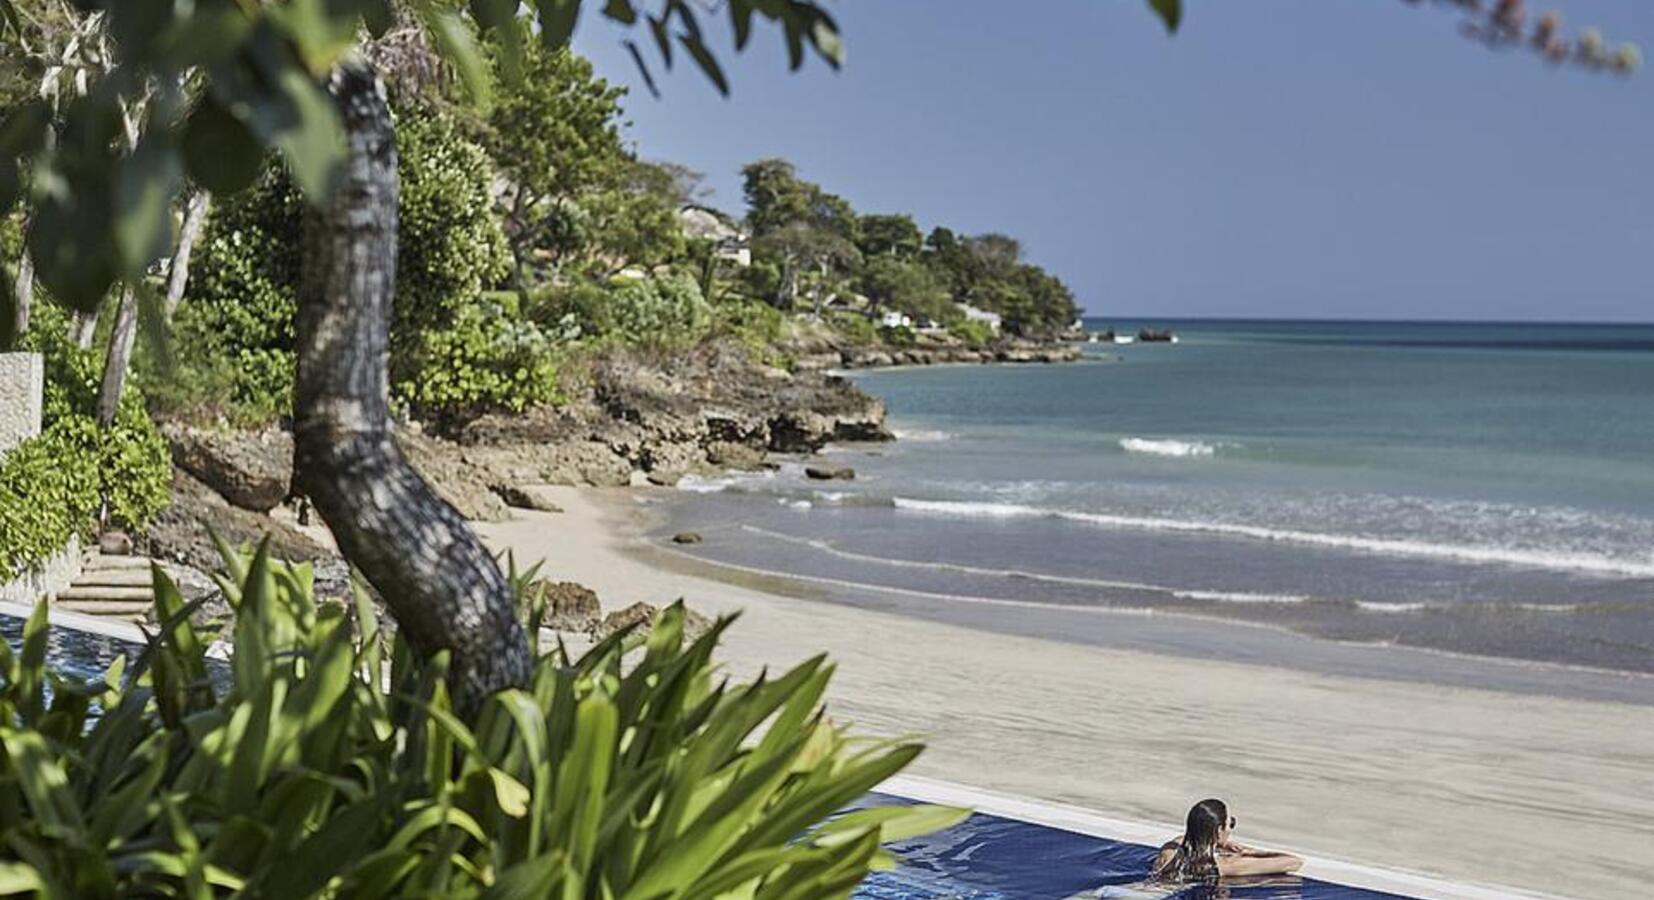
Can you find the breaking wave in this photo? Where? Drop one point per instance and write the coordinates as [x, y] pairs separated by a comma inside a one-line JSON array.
[[1589, 563], [1167, 447]]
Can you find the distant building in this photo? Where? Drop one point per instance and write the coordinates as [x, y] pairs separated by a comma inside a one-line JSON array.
[[728, 241], [972, 314], [893, 319]]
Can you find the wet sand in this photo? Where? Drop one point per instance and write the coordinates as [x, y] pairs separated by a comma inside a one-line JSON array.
[[1542, 793]]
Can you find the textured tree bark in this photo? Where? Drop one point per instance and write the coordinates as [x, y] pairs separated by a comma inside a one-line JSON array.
[[83, 328], [23, 292], [178, 274], [118, 357], [441, 584]]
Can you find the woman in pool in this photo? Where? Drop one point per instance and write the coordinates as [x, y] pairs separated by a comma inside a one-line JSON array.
[[1205, 852]]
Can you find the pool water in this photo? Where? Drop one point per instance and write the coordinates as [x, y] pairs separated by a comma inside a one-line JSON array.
[[983, 858], [993, 858]]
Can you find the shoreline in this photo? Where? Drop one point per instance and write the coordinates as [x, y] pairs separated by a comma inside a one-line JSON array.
[[1463, 783]]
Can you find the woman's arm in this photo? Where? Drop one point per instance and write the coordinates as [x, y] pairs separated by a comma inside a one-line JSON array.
[[1259, 862]]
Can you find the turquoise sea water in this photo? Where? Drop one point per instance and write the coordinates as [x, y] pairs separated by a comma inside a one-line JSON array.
[[1479, 488]]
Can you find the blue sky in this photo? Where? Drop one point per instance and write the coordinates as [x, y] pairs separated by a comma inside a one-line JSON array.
[[1279, 158]]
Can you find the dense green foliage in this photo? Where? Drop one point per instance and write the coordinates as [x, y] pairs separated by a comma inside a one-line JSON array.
[[53, 486], [454, 351], [818, 248], [317, 764], [664, 312], [48, 494]]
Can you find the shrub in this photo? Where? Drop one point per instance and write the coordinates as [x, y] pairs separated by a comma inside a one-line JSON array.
[[235, 325], [664, 311], [314, 766], [53, 486], [857, 327], [487, 360], [974, 334], [898, 336], [236, 322], [48, 494]]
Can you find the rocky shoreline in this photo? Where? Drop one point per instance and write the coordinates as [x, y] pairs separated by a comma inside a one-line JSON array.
[[636, 419], [825, 353]]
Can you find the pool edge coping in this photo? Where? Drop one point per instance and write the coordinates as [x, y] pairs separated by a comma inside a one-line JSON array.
[[120, 629], [1088, 822]]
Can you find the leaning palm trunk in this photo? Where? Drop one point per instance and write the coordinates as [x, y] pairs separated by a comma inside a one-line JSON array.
[[441, 584]]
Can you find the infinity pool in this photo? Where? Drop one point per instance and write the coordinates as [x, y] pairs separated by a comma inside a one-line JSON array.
[[994, 858], [983, 858]]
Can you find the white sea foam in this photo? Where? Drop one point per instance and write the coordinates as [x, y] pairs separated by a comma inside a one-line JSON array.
[[1240, 597], [1589, 563], [1390, 608], [922, 435], [1167, 447]]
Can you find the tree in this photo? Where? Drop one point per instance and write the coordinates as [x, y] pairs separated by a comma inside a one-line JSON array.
[[555, 132], [904, 285], [636, 222], [283, 77], [800, 227], [894, 235]]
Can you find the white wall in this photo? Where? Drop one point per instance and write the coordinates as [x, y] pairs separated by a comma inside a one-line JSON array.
[[22, 379]]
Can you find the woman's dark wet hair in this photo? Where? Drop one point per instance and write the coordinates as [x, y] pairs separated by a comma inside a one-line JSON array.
[[1196, 858]]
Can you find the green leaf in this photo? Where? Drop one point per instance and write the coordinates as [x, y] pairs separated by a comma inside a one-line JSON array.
[[207, 36], [740, 19], [144, 188], [42, 781], [499, 18], [1170, 12], [457, 43], [16, 878], [220, 153], [642, 68], [621, 11], [706, 61], [557, 20], [314, 144], [322, 30], [893, 823]]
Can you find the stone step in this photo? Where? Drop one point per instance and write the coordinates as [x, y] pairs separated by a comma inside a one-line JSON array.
[[126, 609], [92, 592], [114, 578], [101, 562]]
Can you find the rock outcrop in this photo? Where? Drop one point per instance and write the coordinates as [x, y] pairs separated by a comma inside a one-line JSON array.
[[181, 532], [830, 473], [252, 470], [641, 617], [712, 408], [569, 606]]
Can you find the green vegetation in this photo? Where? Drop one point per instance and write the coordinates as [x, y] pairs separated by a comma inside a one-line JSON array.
[[820, 249], [322, 761], [54, 486]]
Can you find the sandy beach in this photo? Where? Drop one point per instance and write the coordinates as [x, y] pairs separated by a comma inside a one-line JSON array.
[[1539, 793]]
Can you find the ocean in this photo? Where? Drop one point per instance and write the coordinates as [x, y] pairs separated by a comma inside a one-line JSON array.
[[1481, 489]]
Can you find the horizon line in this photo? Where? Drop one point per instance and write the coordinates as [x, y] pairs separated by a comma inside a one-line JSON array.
[[1357, 320]]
